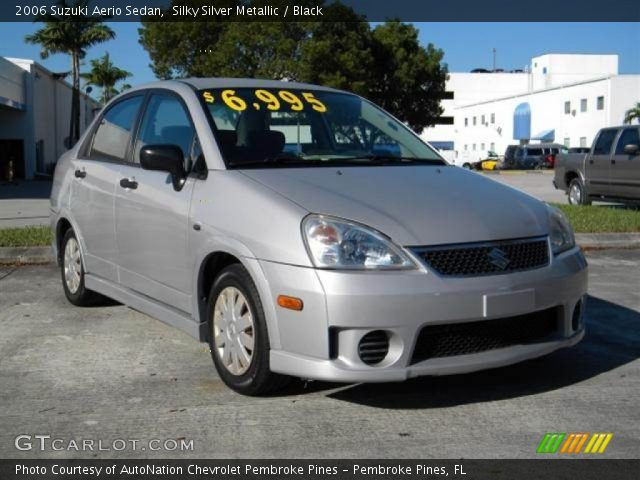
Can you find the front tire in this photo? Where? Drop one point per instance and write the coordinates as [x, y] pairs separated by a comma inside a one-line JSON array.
[[72, 271], [238, 336], [577, 194]]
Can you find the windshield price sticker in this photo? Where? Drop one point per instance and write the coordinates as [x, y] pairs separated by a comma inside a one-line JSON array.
[[266, 99]]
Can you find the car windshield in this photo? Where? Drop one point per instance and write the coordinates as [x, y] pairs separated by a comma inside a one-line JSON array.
[[265, 127]]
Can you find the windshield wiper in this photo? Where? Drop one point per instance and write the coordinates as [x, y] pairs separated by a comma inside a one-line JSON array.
[[279, 159], [387, 159]]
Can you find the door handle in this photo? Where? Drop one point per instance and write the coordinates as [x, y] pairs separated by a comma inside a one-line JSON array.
[[590, 162], [80, 173], [613, 161], [127, 183]]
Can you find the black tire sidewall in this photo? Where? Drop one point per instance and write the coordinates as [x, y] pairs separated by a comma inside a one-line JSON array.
[[252, 381]]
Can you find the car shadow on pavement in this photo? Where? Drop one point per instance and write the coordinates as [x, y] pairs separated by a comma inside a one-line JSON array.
[[612, 340]]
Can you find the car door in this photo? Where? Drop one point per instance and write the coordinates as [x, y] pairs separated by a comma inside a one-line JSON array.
[[625, 168], [599, 163], [96, 173], [152, 217]]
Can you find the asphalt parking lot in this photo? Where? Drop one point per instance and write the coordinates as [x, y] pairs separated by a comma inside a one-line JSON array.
[[110, 373]]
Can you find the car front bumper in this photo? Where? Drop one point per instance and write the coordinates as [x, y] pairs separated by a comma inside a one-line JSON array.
[[321, 342]]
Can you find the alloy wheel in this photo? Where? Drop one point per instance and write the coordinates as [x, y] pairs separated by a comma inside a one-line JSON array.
[[72, 265], [233, 330], [575, 194]]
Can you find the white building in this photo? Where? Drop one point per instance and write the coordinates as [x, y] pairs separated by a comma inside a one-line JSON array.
[[562, 98], [35, 110]]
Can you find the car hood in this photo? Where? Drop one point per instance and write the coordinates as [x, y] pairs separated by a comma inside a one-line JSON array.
[[414, 205]]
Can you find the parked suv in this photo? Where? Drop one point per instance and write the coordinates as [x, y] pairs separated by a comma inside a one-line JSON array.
[[610, 171], [302, 231], [534, 156]]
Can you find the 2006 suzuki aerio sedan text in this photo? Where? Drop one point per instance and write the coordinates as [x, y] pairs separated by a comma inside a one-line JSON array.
[[304, 232]]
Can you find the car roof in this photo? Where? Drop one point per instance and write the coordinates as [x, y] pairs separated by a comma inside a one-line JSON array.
[[205, 83]]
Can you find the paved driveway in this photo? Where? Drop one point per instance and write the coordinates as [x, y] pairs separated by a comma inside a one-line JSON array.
[[111, 373], [536, 183]]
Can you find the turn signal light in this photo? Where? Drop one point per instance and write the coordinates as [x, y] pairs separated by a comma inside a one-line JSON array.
[[292, 303]]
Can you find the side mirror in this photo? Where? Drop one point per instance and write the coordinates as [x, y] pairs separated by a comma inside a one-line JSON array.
[[165, 158], [631, 149]]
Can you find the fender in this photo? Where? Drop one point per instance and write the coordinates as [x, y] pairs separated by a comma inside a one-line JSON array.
[[220, 243]]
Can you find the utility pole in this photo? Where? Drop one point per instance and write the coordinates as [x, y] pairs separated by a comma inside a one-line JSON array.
[[494, 59]]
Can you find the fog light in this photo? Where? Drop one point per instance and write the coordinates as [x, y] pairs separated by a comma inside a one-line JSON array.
[[373, 347], [576, 318]]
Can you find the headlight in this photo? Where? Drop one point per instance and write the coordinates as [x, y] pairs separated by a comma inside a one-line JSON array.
[[340, 244], [560, 231]]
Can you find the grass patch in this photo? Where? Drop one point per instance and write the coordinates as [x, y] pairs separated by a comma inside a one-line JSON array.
[[25, 237], [601, 218]]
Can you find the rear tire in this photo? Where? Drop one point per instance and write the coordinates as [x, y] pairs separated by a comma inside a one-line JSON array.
[[72, 271], [577, 194], [238, 336]]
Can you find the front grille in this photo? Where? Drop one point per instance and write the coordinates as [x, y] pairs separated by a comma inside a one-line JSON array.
[[373, 347], [449, 340], [490, 258]]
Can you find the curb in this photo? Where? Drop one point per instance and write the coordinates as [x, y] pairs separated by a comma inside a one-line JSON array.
[[26, 255], [608, 240], [44, 255]]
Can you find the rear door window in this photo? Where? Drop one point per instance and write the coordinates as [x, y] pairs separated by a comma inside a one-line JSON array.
[[629, 136], [605, 141], [534, 151], [111, 139]]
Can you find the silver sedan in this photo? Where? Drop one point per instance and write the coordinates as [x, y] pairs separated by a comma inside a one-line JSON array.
[[304, 232]]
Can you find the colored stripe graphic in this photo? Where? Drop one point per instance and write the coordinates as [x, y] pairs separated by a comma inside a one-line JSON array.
[[598, 443], [550, 443], [574, 442]]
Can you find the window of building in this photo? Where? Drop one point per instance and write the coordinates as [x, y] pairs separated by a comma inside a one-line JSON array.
[[600, 103], [583, 105], [473, 147], [466, 121], [474, 121], [493, 118], [493, 147], [567, 107], [466, 147], [583, 141], [567, 142], [482, 146], [482, 122], [111, 139]]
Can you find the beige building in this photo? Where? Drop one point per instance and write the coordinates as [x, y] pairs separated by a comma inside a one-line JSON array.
[[35, 110]]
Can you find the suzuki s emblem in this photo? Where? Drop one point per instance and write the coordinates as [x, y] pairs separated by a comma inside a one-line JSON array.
[[498, 258]]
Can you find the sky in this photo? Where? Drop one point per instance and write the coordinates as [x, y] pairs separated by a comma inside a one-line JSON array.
[[466, 45]]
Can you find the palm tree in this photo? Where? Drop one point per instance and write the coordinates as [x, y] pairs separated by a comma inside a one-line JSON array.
[[632, 114], [105, 75], [71, 35]]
